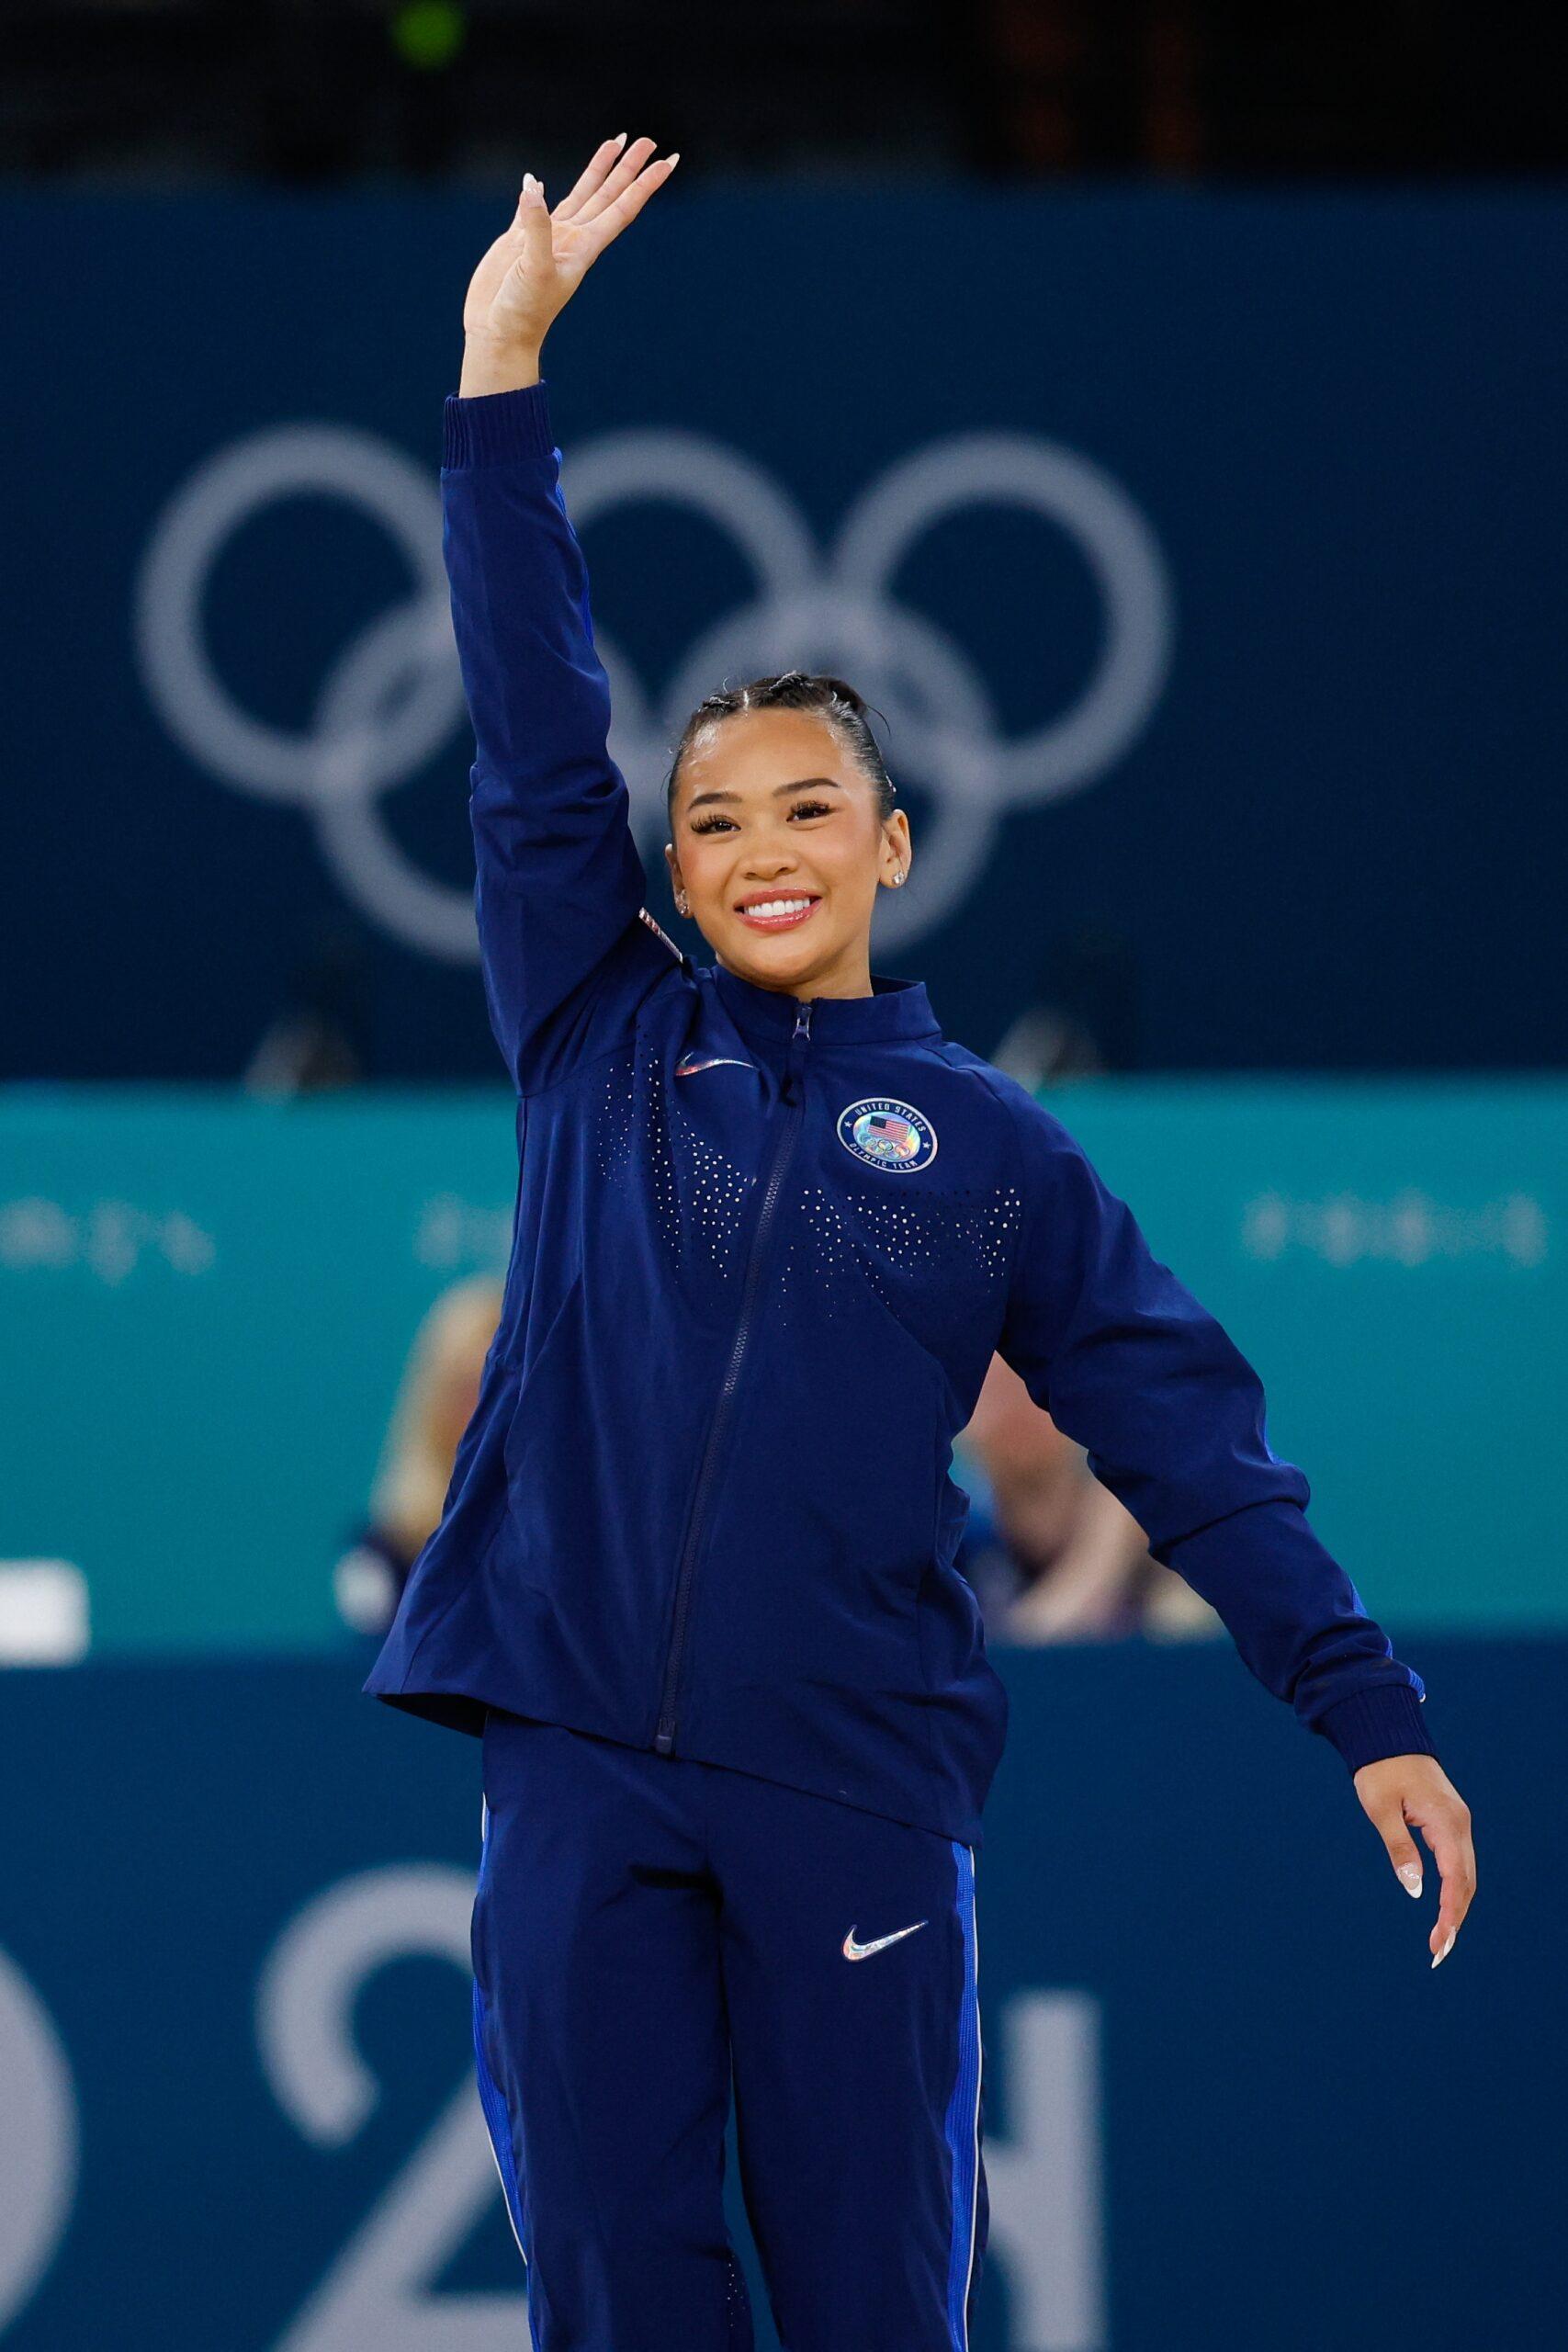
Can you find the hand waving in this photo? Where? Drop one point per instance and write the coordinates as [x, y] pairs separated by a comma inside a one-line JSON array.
[[540, 259]]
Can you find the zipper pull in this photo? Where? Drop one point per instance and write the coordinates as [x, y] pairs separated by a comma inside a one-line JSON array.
[[800, 1037]]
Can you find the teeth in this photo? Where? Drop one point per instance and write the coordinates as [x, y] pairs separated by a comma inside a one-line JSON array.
[[779, 907]]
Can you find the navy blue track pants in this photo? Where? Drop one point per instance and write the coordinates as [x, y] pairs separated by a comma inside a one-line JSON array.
[[646, 1927]]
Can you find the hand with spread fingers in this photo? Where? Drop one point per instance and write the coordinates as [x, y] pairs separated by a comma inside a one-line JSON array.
[[1400, 1793], [540, 259]]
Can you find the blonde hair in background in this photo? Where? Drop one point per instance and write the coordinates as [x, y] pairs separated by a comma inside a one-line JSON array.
[[439, 1387]]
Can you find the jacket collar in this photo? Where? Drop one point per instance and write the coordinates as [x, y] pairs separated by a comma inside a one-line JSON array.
[[895, 1009]]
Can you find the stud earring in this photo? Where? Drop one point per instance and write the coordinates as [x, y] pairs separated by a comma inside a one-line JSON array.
[[683, 904], [898, 878]]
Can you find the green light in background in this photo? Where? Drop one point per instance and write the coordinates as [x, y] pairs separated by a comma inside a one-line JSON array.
[[428, 34]]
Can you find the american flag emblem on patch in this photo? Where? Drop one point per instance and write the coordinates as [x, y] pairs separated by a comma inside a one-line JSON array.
[[887, 1134], [884, 1131]]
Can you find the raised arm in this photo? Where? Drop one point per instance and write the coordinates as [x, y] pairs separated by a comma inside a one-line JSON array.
[[559, 882], [1172, 1416]]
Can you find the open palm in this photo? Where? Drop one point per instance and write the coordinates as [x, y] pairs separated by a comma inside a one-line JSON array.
[[540, 259]]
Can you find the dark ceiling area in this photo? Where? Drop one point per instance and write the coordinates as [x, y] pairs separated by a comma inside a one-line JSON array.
[[317, 91]]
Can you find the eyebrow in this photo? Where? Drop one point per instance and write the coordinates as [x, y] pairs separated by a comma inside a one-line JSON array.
[[803, 783]]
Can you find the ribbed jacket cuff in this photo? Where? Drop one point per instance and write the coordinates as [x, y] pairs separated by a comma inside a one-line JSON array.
[[497, 428], [1366, 1726]]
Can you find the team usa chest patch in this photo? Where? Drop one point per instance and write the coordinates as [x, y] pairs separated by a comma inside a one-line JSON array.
[[888, 1135]]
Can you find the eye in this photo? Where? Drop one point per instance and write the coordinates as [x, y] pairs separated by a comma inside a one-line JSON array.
[[711, 823], [812, 809]]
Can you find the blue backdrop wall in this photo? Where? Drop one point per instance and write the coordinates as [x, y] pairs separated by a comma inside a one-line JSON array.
[[1203, 553], [1228, 2104]]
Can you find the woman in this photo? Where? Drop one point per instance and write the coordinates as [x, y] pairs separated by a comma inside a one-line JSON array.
[[1051, 1553], [694, 1582], [435, 1404]]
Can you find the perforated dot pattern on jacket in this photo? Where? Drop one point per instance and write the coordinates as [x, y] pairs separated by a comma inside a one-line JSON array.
[[737, 2308], [681, 1165], [936, 1262]]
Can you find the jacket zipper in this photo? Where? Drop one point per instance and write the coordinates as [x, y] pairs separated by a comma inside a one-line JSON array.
[[794, 1092]]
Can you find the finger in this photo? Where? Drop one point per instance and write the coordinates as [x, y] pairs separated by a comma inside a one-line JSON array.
[[1456, 1860], [615, 181], [636, 155], [534, 221], [608, 227], [592, 176], [1403, 1851], [526, 295]]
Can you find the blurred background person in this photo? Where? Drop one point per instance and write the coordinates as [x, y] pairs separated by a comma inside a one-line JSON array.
[[436, 1401], [1053, 1555], [318, 1038]]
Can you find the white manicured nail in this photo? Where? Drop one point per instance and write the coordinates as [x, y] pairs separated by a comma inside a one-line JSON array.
[[1410, 1877], [1447, 1948]]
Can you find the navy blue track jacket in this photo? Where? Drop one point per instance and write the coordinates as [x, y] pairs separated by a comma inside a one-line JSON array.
[[763, 1251]]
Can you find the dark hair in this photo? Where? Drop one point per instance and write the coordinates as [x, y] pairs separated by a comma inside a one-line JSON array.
[[830, 698]]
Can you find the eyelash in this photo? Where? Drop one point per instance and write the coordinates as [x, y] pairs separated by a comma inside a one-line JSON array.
[[711, 824]]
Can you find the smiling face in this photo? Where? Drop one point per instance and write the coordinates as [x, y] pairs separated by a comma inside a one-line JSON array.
[[780, 847]]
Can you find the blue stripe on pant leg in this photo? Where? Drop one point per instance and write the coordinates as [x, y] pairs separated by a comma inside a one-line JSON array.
[[498, 2123], [963, 2112]]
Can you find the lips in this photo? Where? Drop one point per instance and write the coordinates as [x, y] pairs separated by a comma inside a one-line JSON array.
[[777, 909]]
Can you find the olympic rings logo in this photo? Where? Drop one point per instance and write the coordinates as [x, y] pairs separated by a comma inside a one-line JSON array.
[[393, 697]]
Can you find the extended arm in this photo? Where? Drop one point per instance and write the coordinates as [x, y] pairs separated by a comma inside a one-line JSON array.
[[1172, 1416], [559, 885]]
